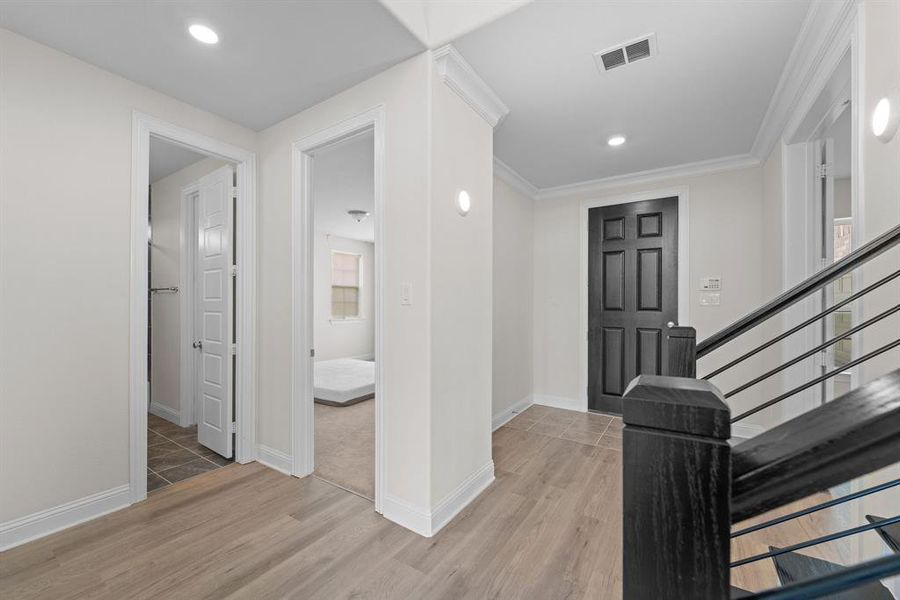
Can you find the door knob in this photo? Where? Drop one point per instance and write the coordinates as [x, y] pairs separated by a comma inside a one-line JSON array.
[[198, 345], [671, 324]]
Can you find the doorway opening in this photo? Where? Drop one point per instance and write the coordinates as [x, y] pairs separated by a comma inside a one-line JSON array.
[[192, 404], [190, 317], [343, 194], [338, 308]]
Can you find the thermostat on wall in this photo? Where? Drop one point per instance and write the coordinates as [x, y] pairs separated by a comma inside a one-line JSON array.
[[708, 284]]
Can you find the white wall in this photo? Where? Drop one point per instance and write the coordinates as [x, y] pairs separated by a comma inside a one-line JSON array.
[[402, 91], [513, 292], [165, 257], [343, 338], [65, 262], [726, 218], [879, 211], [460, 249]]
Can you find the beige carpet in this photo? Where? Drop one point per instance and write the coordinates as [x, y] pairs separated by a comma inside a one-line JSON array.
[[345, 446]]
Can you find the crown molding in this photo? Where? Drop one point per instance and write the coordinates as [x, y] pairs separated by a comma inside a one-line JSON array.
[[460, 77], [825, 24], [703, 167], [512, 178]]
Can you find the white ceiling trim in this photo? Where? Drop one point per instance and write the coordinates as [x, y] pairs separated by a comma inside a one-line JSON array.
[[816, 43], [704, 167], [460, 77], [512, 178]]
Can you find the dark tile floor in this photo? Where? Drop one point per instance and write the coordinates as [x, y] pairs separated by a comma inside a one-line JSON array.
[[174, 454]]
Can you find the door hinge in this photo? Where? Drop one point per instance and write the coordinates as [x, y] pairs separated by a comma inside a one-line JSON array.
[[234, 193], [233, 349], [233, 427], [233, 270], [312, 352], [823, 170]]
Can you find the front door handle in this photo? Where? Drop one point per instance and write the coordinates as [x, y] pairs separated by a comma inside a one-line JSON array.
[[671, 324]]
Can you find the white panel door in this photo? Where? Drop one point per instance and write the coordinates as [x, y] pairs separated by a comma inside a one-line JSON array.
[[215, 221]]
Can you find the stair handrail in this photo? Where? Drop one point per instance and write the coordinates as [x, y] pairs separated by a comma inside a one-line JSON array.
[[861, 255]]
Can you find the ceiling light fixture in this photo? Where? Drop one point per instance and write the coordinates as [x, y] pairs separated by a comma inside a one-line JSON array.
[[886, 116], [358, 215], [616, 140], [204, 34]]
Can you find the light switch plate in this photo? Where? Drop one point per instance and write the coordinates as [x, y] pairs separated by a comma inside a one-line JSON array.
[[405, 294], [710, 299]]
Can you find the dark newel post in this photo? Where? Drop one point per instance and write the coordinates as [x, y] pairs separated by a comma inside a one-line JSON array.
[[676, 490], [682, 351]]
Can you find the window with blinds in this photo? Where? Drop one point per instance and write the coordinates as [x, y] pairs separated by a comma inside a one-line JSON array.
[[345, 283]]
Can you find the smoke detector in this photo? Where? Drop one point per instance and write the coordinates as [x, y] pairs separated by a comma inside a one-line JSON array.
[[626, 53]]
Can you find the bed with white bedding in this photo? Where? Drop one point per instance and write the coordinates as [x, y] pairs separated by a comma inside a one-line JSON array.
[[344, 381]]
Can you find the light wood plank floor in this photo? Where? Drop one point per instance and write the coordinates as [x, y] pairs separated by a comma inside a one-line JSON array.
[[549, 527]]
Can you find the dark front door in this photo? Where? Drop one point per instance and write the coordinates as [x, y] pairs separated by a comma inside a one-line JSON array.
[[632, 295]]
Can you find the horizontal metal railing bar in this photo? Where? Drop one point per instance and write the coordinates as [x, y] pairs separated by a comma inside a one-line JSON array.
[[861, 255], [839, 581], [816, 541], [818, 379], [805, 323], [808, 511], [818, 348]]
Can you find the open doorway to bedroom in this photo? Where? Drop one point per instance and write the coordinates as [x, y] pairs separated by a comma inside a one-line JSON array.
[[343, 198]]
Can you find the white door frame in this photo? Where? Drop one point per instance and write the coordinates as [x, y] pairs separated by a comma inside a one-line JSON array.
[[684, 268], [143, 127], [808, 121], [187, 303], [303, 255]]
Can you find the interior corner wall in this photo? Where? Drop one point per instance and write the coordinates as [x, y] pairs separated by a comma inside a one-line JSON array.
[[402, 91], [165, 309], [351, 338], [460, 251], [726, 223], [513, 298], [66, 139]]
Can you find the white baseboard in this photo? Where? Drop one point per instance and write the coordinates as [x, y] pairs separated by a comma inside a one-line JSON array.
[[462, 496], [37, 525], [560, 402], [274, 459], [414, 518], [506, 415], [164, 412], [745, 431], [427, 523]]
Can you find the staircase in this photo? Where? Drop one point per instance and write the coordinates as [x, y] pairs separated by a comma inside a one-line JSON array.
[[686, 484]]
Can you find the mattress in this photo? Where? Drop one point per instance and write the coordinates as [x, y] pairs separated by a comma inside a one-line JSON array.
[[344, 381]]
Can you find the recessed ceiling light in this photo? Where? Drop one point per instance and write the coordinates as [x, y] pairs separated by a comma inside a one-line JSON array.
[[616, 140], [204, 34]]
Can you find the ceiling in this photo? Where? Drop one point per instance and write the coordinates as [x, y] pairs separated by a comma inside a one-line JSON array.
[[702, 97], [166, 158], [344, 179], [274, 58]]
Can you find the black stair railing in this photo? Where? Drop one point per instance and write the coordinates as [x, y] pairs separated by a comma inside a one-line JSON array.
[[851, 262], [684, 484]]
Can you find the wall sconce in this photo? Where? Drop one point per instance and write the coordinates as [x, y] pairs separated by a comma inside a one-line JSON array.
[[463, 202], [886, 116]]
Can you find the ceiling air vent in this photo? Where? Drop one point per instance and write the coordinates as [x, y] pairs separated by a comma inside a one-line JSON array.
[[626, 53]]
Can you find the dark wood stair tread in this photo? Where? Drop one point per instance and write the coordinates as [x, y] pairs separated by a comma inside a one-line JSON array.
[[793, 567], [890, 533]]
